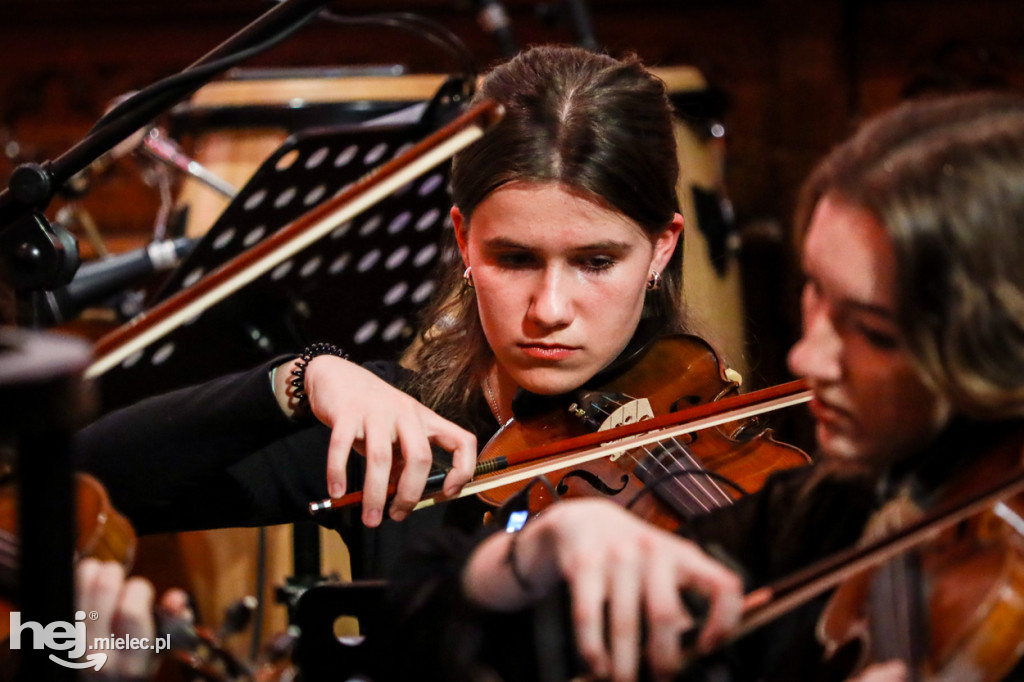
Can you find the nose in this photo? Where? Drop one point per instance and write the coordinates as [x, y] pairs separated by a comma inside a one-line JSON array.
[[551, 299], [817, 355]]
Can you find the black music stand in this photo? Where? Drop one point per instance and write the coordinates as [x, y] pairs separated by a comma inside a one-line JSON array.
[[361, 287]]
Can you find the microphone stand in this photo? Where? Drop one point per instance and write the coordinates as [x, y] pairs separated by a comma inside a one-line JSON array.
[[38, 255]]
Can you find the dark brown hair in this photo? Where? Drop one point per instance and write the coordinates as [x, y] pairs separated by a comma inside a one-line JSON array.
[[599, 126]]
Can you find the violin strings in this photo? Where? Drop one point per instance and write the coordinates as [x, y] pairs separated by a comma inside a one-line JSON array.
[[707, 487], [696, 491], [680, 487], [653, 485]]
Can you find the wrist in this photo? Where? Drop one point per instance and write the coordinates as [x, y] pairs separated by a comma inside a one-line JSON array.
[[293, 394], [284, 391], [509, 570]]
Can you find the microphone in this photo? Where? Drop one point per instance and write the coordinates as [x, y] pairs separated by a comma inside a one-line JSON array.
[[157, 145], [493, 19], [97, 280]]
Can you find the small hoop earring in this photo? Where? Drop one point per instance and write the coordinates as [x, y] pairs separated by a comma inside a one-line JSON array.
[[467, 277], [654, 282]]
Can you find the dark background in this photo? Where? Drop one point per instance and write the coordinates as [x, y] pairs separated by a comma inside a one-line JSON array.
[[798, 76]]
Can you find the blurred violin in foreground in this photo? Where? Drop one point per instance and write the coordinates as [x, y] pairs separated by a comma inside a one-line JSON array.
[[941, 590]]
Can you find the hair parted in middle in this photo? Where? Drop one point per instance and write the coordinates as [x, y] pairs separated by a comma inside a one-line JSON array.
[[597, 126]]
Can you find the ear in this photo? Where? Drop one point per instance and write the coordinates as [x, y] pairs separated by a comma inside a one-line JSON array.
[[665, 244], [461, 236]]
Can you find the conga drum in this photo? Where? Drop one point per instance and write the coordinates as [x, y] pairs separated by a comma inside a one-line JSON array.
[[712, 285]]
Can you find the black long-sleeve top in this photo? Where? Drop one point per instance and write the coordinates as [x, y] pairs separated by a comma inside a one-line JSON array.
[[222, 454]]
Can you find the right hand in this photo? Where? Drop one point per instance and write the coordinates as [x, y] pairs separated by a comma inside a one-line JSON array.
[[618, 568], [376, 419]]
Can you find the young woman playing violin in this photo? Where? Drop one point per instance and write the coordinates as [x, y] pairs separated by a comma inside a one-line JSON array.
[[913, 344], [566, 222]]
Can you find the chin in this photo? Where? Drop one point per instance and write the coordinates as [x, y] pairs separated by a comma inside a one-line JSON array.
[[550, 383], [834, 445]]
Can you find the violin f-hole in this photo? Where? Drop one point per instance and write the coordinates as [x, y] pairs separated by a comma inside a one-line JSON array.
[[593, 481]]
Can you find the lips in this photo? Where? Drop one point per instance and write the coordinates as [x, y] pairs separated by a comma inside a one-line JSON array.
[[547, 351], [825, 411]]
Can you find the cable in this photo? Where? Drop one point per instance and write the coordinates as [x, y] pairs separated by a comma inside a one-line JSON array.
[[199, 73], [435, 33]]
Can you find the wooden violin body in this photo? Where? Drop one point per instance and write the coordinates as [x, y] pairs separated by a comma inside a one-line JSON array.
[[953, 610], [101, 532], [665, 482]]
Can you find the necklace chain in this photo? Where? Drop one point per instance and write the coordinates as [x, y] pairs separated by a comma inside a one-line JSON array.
[[492, 400]]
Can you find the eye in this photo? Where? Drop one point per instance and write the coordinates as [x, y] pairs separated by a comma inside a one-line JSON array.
[[881, 339], [515, 260], [597, 263]]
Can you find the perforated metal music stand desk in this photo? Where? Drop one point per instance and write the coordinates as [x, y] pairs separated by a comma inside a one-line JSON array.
[[361, 287]]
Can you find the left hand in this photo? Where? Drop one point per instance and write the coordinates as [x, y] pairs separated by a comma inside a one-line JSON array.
[[624, 576]]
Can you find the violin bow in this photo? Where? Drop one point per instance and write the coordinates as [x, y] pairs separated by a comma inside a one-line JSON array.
[[768, 603], [185, 305], [543, 459]]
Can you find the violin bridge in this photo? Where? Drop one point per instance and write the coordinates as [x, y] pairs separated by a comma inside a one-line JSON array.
[[633, 411], [604, 411]]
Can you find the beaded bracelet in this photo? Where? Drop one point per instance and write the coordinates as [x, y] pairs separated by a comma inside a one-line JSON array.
[[311, 351]]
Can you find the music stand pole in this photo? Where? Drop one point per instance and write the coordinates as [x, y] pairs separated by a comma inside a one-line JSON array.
[[45, 401]]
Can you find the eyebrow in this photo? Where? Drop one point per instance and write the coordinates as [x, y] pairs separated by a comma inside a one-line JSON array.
[[869, 308], [607, 245], [856, 305]]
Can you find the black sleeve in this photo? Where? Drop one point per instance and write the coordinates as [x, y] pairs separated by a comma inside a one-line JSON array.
[[215, 455], [796, 519]]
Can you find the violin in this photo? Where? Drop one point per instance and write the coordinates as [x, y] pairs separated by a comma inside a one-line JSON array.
[[101, 533], [953, 610], [941, 590], [673, 438], [665, 481]]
